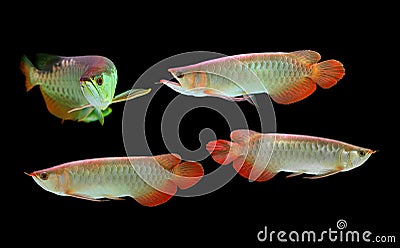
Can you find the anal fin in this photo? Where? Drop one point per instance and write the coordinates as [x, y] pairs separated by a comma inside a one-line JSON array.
[[295, 92], [245, 169], [151, 197]]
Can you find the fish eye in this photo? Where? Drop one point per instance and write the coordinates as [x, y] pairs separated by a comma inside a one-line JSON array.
[[362, 153], [99, 81], [179, 74], [44, 175]]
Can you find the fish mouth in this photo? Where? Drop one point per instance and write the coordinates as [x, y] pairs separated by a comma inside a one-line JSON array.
[[29, 174], [167, 82]]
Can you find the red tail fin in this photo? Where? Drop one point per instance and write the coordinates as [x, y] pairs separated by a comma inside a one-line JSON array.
[[187, 174], [221, 151], [328, 73]]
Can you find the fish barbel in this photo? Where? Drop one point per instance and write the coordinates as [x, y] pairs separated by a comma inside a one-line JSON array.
[[259, 157], [150, 180], [77, 88], [286, 77]]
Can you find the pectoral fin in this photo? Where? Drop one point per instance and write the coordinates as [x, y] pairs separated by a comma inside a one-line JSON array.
[[216, 93], [84, 197], [114, 198], [295, 174], [130, 94], [329, 173], [80, 108]]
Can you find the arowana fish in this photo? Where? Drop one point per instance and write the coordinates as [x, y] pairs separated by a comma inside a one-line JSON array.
[[76, 88], [150, 180], [259, 157], [285, 77]]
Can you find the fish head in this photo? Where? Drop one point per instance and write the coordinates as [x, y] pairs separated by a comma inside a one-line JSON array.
[[355, 157], [191, 83], [189, 78], [183, 77], [50, 180], [98, 84]]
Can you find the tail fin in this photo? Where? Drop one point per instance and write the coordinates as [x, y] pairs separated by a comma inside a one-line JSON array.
[[187, 174], [224, 152], [328, 73], [27, 68], [221, 151]]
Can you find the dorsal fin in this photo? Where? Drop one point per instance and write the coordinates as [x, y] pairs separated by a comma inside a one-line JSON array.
[[46, 61], [168, 161], [307, 56], [242, 135]]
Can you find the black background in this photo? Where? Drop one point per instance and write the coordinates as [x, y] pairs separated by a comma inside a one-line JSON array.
[[359, 110]]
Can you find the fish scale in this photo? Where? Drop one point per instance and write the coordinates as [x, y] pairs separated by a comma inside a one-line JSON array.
[[302, 154], [64, 76]]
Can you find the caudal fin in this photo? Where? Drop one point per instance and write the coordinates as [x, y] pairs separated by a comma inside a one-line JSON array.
[[221, 151], [27, 69], [328, 73], [187, 174], [225, 152]]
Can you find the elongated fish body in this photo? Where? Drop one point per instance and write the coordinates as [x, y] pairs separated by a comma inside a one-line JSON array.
[[149, 180], [286, 77], [260, 157], [75, 88]]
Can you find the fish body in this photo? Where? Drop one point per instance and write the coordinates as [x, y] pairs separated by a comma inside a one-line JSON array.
[[151, 181], [285, 77], [75, 88], [260, 157]]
